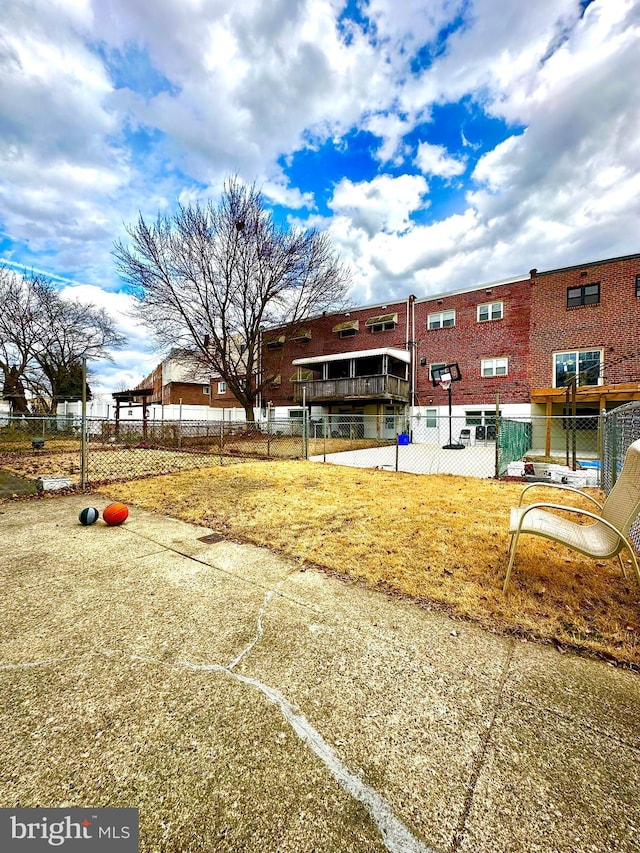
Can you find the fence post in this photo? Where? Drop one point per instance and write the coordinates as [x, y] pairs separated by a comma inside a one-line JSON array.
[[83, 427], [497, 456], [268, 431], [305, 434]]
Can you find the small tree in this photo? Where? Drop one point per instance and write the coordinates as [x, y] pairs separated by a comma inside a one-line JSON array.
[[43, 340], [209, 279]]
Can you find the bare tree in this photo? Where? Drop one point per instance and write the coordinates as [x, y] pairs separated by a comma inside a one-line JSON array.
[[43, 339], [209, 279]]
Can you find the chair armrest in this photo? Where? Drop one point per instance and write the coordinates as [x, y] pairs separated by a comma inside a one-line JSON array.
[[575, 510], [559, 486]]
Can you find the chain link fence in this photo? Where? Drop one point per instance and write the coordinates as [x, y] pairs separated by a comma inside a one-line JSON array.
[[50, 449], [621, 428], [477, 447]]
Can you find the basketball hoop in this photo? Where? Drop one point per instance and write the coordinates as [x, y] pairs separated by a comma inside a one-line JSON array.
[[443, 375], [445, 381]]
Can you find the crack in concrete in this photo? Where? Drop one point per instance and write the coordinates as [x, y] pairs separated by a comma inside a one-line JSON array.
[[31, 664], [259, 632], [478, 762], [396, 836]]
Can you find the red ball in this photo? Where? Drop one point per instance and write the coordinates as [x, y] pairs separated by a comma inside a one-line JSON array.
[[115, 513]]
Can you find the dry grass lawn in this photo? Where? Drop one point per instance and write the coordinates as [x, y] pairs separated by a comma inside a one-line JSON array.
[[441, 540]]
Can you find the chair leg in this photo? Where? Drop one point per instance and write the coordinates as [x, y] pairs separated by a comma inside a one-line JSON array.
[[624, 571], [514, 545], [635, 562]]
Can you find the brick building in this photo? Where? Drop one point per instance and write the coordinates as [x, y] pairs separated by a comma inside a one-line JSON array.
[[179, 380], [521, 338], [586, 323]]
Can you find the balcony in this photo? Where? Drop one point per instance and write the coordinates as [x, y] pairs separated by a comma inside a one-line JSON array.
[[379, 387]]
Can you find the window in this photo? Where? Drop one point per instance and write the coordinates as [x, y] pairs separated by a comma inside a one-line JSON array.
[[347, 329], [206, 389], [490, 311], [585, 294], [222, 387], [389, 417], [638, 285], [441, 320], [493, 367], [276, 343], [382, 323], [436, 368], [587, 364], [484, 422], [431, 418]]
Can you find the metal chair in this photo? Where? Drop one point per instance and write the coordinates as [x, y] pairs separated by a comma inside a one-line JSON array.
[[604, 538], [465, 436]]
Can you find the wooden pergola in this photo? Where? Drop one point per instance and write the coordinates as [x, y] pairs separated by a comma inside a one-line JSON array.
[[600, 396], [129, 399]]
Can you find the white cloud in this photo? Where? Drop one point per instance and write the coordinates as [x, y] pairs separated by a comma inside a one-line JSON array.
[[206, 89], [385, 203], [434, 160], [129, 364]]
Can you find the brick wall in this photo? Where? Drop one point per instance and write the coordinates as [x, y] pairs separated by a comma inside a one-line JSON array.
[[470, 341], [613, 325], [324, 341]]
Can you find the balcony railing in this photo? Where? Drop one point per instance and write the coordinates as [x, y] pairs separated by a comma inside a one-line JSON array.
[[378, 387]]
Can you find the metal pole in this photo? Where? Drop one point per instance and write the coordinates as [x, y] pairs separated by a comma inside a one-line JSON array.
[[566, 425], [574, 425], [324, 439], [268, 429], [305, 449], [83, 440], [497, 431]]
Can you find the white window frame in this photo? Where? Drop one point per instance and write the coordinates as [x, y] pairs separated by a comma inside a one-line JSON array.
[[489, 367], [222, 387], [599, 380], [431, 418], [206, 389], [440, 319], [490, 311]]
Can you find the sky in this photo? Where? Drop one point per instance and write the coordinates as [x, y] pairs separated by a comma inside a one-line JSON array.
[[442, 144]]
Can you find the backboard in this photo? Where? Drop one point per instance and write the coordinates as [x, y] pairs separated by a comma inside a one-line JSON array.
[[451, 370]]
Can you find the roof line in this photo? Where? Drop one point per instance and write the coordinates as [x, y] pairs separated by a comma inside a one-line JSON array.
[[589, 264]]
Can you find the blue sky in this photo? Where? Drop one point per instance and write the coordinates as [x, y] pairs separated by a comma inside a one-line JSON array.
[[441, 143]]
